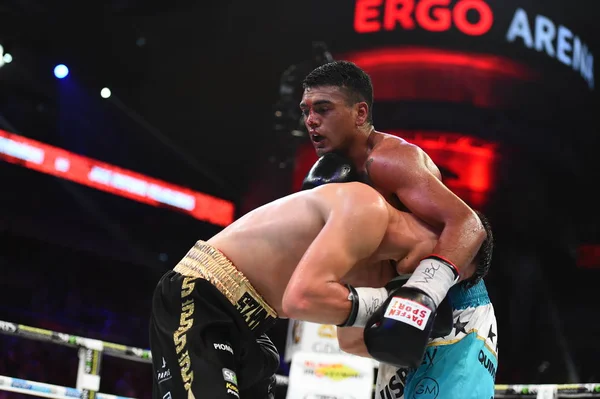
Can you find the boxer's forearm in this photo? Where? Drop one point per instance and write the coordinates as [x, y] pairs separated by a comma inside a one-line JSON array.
[[351, 340], [459, 243], [323, 304]]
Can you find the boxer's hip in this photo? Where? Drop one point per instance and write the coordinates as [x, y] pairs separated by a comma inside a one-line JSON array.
[[206, 262]]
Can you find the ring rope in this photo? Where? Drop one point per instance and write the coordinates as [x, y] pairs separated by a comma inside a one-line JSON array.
[[108, 348], [144, 355], [46, 390]]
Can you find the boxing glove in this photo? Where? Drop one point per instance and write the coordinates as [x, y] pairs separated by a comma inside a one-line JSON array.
[[330, 168], [260, 361], [443, 321], [398, 332]]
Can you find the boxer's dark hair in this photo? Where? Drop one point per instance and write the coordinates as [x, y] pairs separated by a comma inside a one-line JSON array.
[[483, 258], [346, 75]]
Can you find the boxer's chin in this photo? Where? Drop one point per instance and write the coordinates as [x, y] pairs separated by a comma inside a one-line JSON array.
[[321, 149]]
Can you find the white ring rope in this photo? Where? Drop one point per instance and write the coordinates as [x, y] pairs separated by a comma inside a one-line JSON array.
[[46, 390], [144, 355]]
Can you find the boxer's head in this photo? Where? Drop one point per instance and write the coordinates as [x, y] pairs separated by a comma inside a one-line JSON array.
[[337, 102], [483, 259]]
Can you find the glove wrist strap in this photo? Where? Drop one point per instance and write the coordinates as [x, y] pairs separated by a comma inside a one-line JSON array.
[[434, 276], [365, 301]]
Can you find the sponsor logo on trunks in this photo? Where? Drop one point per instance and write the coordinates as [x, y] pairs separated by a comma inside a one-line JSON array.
[[167, 395], [429, 356], [408, 312], [232, 389], [252, 311], [229, 376], [163, 376], [333, 371], [164, 373], [487, 363], [395, 387], [231, 382], [427, 388], [223, 347]]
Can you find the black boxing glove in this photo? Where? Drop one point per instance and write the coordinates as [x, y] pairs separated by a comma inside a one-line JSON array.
[[398, 332], [444, 319], [442, 324], [330, 168], [271, 355], [264, 389], [261, 362]]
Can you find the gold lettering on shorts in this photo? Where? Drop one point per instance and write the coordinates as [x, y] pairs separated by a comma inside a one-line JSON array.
[[187, 286], [186, 322], [251, 310]]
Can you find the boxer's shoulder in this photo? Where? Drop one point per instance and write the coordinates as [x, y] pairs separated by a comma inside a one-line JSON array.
[[348, 195]]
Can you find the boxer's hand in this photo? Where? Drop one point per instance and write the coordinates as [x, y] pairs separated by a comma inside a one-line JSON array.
[[442, 324], [444, 319], [398, 332], [271, 355], [260, 362], [330, 168]]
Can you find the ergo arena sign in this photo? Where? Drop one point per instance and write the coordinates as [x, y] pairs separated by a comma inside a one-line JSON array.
[[476, 18]]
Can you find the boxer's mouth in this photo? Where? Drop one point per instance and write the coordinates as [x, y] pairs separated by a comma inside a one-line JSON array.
[[317, 138]]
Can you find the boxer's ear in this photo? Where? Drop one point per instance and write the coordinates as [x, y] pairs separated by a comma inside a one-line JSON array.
[[362, 113]]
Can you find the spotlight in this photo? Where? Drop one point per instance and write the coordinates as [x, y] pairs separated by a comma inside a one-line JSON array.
[[105, 93], [61, 71], [7, 58]]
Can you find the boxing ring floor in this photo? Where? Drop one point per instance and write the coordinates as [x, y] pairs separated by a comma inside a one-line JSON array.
[[90, 352]]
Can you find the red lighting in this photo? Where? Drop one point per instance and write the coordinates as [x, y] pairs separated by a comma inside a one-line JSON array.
[[419, 73], [431, 15], [112, 179], [588, 256], [472, 161]]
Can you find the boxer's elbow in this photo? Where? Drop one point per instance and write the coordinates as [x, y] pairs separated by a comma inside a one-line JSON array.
[[299, 301], [473, 225], [296, 305]]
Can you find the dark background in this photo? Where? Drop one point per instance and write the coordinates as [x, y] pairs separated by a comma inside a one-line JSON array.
[[195, 89]]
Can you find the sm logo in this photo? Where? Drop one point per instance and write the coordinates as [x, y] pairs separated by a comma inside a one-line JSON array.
[[471, 17]]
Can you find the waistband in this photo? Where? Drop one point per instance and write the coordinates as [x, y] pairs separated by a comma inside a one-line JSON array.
[[207, 262], [462, 298]]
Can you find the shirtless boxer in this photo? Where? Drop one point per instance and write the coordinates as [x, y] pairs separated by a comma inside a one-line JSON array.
[[337, 106], [285, 259]]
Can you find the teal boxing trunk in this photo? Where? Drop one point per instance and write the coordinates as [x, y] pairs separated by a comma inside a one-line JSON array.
[[461, 365]]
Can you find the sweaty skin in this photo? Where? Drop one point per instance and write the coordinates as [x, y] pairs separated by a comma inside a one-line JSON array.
[[402, 172], [299, 250]]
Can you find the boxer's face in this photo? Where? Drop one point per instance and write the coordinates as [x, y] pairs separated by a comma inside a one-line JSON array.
[[330, 118]]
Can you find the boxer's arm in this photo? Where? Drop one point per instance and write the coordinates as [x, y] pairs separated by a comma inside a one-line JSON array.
[[351, 340], [351, 233], [408, 172]]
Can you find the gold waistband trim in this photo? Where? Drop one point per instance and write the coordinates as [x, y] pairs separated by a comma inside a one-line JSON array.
[[207, 262]]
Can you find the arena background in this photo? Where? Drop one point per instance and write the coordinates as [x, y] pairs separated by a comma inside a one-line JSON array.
[[204, 96]]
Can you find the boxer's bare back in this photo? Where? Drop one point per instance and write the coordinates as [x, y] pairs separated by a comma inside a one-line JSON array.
[[267, 244]]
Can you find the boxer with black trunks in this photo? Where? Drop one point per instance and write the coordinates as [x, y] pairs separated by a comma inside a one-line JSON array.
[[285, 259]]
